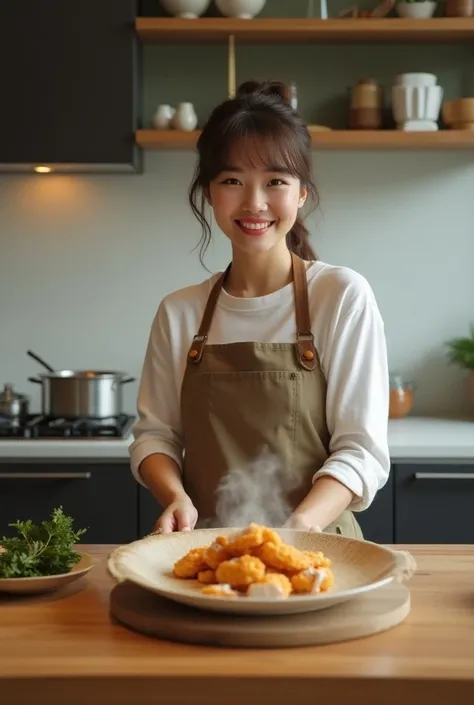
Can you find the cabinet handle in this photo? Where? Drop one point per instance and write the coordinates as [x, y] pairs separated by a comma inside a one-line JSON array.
[[444, 476], [45, 475]]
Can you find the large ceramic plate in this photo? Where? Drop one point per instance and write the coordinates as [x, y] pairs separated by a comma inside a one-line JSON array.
[[47, 583], [358, 567]]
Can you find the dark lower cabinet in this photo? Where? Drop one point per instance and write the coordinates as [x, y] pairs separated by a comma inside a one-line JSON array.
[[377, 522], [100, 497], [434, 503], [421, 503], [148, 511]]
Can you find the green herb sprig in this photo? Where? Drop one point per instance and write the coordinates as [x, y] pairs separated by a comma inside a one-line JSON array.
[[40, 549]]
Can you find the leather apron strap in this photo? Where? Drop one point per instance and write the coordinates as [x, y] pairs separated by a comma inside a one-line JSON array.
[[304, 338]]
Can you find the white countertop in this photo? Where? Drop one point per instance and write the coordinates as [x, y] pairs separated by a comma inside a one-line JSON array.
[[411, 438]]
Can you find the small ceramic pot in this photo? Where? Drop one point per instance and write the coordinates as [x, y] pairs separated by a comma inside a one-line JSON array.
[[163, 116], [243, 9], [186, 9], [185, 118], [459, 8], [416, 10]]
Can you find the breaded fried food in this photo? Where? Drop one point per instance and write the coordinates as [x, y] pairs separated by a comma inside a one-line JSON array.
[[191, 564], [241, 571], [283, 557], [273, 585], [222, 590], [318, 559], [207, 577], [251, 538], [312, 580], [217, 552]]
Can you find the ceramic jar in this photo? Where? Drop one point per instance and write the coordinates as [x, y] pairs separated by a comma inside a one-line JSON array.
[[365, 111], [416, 10], [163, 117], [185, 118], [186, 9], [243, 9], [401, 397]]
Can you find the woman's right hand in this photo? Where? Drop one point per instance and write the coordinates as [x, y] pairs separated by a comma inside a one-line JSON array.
[[180, 515]]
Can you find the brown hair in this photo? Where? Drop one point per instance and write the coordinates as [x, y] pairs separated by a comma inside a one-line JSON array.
[[260, 111]]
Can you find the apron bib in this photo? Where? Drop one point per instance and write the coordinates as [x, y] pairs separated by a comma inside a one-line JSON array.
[[242, 400]]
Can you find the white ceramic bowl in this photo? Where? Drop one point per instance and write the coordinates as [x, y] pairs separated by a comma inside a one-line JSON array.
[[186, 9], [416, 10], [243, 9], [358, 567]]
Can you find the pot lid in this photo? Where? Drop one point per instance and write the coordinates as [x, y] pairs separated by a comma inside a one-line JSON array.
[[8, 395]]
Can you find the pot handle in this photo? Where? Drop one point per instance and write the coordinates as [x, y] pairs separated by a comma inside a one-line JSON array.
[[33, 379], [126, 381]]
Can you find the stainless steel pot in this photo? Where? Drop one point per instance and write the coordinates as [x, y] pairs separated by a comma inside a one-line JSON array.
[[86, 394], [13, 405]]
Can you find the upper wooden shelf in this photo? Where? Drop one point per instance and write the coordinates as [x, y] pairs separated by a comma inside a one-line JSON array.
[[350, 140], [332, 31]]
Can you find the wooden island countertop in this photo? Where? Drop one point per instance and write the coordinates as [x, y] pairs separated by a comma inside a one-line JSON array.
[[64, 648]]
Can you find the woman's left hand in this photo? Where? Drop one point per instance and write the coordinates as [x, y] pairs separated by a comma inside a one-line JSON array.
[[301, 522]]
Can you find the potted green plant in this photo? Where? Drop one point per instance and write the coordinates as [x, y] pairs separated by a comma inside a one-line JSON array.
[[461, 353], [416, 9]]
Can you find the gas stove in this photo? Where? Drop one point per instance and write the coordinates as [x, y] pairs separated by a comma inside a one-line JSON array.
[[36, 427]]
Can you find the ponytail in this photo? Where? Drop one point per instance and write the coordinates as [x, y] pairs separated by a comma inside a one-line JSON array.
[[297, 241]]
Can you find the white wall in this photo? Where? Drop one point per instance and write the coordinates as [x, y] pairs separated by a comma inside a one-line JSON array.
[[85, 260]]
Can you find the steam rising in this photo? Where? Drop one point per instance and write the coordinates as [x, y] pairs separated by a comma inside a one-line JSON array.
[[255, 493]]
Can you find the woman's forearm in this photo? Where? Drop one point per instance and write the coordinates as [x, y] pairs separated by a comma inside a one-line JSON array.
[[162, 476], [324, 503]]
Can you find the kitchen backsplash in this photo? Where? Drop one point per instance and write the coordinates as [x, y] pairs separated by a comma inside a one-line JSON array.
[[85, 260]]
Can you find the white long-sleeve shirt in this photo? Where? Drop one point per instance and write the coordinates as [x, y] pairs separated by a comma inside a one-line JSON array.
[[350, 340]]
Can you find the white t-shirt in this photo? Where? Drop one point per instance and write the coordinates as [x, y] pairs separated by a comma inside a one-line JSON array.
[[350, 340]]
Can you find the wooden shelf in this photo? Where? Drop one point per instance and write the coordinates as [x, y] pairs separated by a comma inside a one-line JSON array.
[[334, 140], [288, 30]]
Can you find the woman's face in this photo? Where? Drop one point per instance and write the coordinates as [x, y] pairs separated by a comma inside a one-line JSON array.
[[255, 204]]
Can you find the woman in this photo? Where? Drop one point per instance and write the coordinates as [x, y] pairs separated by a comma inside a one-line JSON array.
[[280, 352]]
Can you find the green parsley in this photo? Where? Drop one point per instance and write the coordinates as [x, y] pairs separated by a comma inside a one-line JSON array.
[[40, 549]]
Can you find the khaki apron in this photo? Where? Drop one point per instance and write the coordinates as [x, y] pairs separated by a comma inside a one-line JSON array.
[[243, 401]]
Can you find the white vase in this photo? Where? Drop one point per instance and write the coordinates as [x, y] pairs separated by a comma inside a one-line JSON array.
[[163, 116], [243, 9], [186, 9], [185, 118], [416, 108], [416, 10]]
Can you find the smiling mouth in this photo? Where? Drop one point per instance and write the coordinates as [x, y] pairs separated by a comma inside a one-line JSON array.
[[255, 227]]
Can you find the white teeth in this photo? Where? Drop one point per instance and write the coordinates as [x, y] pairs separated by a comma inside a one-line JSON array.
[[255, 226]]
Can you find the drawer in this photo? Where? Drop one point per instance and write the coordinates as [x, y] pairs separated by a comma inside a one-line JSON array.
[[101, 498], [434, 503]]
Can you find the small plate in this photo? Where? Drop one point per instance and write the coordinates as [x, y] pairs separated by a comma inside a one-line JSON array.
[[47, 583], [358, 567]]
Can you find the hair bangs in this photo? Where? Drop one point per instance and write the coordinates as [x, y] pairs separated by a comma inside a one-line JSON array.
[[256, 143]]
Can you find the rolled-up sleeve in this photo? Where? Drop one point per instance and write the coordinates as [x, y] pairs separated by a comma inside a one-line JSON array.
[[158, 429], [357, 404]]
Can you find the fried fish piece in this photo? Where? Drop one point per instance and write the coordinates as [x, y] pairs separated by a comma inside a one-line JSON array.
[[250, 539], [318, 559], [207, 577], [241, 571], [284, 557], [313, 580], [217, 552], [272, 585], [191, 564], [221, 590]]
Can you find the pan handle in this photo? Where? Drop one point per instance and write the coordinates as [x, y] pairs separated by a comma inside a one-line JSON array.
[[38, 359], [126, 381], [33, 379]]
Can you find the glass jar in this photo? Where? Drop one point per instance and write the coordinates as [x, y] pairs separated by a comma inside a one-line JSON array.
[[401, 397]]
